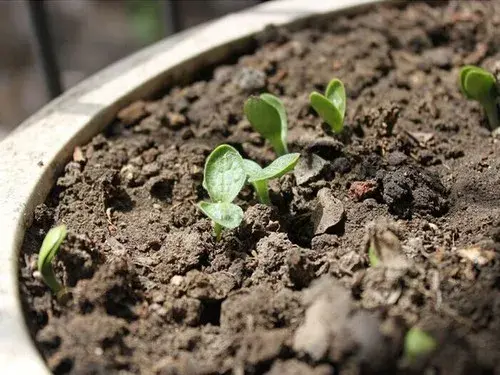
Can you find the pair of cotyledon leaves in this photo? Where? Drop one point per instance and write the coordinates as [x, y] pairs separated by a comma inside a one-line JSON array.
[[267, 113], [331, 106], [225, 174], [479, 84]]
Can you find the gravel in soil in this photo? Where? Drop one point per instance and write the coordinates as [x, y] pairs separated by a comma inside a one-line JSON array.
[[416, 175]]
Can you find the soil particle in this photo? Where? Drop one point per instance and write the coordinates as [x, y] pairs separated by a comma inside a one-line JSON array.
[[249, 79], [295, 367], [333, 327], [360, 190], [260, 307], [408, 190], [133, 113], [104, 335]]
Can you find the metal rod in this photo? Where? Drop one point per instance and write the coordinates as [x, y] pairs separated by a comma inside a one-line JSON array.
[[44, 50], [171, 17]]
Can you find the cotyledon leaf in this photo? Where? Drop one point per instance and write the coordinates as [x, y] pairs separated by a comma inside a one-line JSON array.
[[50, 246], [225, 214], [277, 168], [328, 112], [224, 175], [335, 92]]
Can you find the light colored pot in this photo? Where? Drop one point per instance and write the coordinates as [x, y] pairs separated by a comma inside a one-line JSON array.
[[33, 155]]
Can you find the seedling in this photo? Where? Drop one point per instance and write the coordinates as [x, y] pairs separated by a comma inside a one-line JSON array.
[[48, 251], [372, 256], [223, 179], [259, 177], [268, 117], [331, 106], [417, 344], [479, 84]]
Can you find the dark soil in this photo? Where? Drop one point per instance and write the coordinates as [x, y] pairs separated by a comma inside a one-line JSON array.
[[290, 291]]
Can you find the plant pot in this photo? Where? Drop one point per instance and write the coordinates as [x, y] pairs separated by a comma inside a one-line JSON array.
[[254, 302]]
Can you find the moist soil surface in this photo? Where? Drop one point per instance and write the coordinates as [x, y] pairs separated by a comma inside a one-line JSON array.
[[415, 175]]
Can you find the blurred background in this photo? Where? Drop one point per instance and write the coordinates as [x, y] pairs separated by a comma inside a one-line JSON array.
[[86, 35]]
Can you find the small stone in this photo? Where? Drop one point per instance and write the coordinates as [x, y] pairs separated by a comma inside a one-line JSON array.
[[129, 173], [214, 286], [176, 280], [151, 169], [78, 154], [396, 158], [250, 79], [328, 213], [341, 165], [176, 120], [361, 190], [421, 137], [441, 57], [133, 113], [308, 168], [477, 255]]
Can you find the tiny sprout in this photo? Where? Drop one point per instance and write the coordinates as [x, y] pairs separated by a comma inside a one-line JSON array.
[[372, 256], [479, 84], [259, 177], [223, 179], [268, 117], [418, 343], [331, 106], [48, 251]]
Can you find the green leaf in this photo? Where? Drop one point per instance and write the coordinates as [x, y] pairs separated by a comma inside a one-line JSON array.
[[372, 256], [268, 117], [251, 168], [277, 168], [225, 214], [463, 74], [328, 112], [335, 93], [418, 343], [224, 175], [50, 246], [480, 85], [279, 106]]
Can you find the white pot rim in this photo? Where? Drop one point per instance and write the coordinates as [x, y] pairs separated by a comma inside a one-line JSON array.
[[32, 155]]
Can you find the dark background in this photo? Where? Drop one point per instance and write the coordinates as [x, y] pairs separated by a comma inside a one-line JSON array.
[[88, 35]]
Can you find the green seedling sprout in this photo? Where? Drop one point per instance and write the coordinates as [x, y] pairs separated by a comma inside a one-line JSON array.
[[372, 256], [480, 85], [418, 343], [259, 177], [331, 106], [223, 178], [48, 251], [267, 115]]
